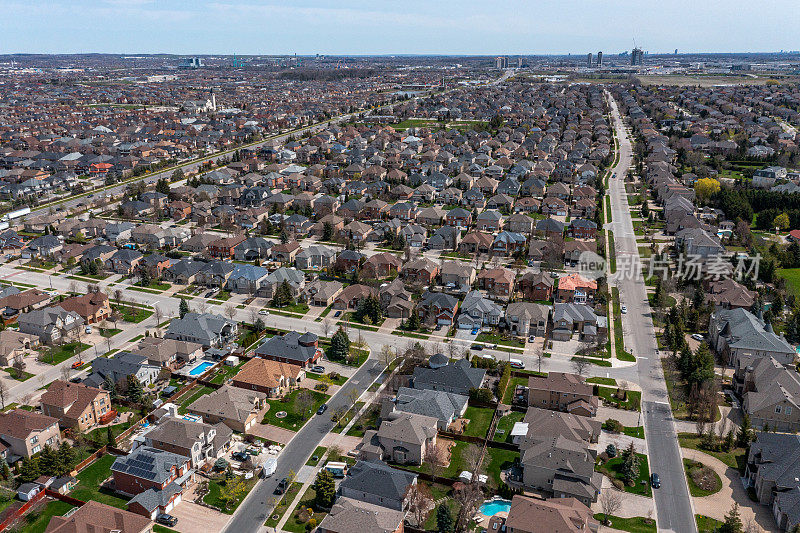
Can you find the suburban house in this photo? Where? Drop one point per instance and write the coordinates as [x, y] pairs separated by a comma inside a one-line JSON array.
[[14, 344], [96, 516], [199, 441], [207, 329], [382, 265], [457, 275], [569, 319], [234, 406], [117, 368], [574, 288], [730, 294], [737, 333], [322, 293], [560, 391], [168, 353], [422, 271], [446, 407], [92, 307], [377, 483], [531, 515], [401, 438], [268, 377], [770, 393], [76, 405], [478, 311], [536, 286], [455, 377], [352, 295], [353, 516], [527, 318], [562, 467], [498, 282], [50, 324], [773, 466], [545, 424], [293, 348], [438, 308], [25, 433], [155, 478]]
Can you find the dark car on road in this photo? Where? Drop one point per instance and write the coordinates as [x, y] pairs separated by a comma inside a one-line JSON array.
[[167, 519], [322, 408], [477, 347], [655, 481], [282, 486]]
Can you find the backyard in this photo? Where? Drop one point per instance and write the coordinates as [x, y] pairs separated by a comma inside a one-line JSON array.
[[479, 420], [296, 412], [90, 479], [502, 432]]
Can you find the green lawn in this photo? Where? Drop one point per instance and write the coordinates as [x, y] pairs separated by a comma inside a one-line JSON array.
[[479, 420], [612, 253], [215, 489], [319, 452], [294, 420], [36, 521], [283, 504], [368, 420], [632, 402], [224, 372], [133, 314], [494, 338], [59, 354], [17, 374], [109, 332], [792, 277], [89, 480], [694, 489], [735, 458], [502, 432], [100, 435], [340, 380], [619, 342], [299, 308], [706, 524], [613, 469], [296, 523], [637, 432], [191, 396], [611, 382], [456, 465], [637, 524], [496, 461], [512, 384]]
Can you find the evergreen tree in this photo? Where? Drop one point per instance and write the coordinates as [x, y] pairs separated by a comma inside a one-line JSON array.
[[48, 461], [29, 471], [6, 471], [327, 231], [630, 464], [183, 307], [135, 391], [413, 321], [283, 295], [732, 522], [444, 520], [66, 459], [110, 386], [745, 435], [162, 186], [111, 440], [325, 489], [340, 346]]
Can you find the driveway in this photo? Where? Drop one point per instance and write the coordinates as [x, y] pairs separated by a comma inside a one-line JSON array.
[[192, 518], [626, 418], [717, 505], [621, 441], [273, 433]]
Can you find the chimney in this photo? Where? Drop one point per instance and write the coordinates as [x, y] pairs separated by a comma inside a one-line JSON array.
[[119, 521]]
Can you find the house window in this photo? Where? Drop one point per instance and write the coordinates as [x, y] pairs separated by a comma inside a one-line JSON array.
[[36, 449], [778, 409], [34, 439], [788, 410]]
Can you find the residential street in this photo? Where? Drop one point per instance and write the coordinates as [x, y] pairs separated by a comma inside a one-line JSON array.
[[674, 510]]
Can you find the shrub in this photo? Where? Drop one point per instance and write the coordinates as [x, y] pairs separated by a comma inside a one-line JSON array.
[[618, 484], [614, 426], [611, 450]]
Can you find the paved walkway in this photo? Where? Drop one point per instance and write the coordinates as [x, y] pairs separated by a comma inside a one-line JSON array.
[[717, 505]]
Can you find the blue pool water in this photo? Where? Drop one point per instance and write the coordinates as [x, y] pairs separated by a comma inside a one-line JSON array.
[[199, 369], [494, 507]]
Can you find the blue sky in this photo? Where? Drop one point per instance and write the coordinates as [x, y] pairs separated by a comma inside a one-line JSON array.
[[396, 26]]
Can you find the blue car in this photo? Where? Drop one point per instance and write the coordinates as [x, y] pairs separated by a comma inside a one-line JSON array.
[[337, 313], [475, 331]]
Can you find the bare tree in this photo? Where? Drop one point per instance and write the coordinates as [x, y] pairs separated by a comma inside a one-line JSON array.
[[610, 503], [19, 362], [253, 315], [420, 501], [3, 393], [230, 311], [579, 364], [304, 401], [326, 326], [540, 358], [158, 315], [73, 286], [65, 373], [388, 355], [468, 496], [472, 456], [436, 458], [353, 395]]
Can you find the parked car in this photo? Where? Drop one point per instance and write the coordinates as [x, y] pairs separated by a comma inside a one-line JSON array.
[[263, 312], [209, 294], [318, 369], [88, 330], [532, 338], [167, 519], [282, 486], [77, 364], [697, 337], [623, 309], [655, 481], [322, 408], [240, 456], [477, 347], [337, 314]]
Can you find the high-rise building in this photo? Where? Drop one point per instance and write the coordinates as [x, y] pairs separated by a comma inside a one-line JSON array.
[[589, 60], [637, 57], [599, 59], [519, 62], [501, 62]]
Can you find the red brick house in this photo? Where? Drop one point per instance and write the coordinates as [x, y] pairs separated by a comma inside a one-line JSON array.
[[536, 286], [422, 270], [498, 282], [223, 248]]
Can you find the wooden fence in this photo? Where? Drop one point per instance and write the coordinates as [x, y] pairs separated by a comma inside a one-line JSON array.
[[13, 516]]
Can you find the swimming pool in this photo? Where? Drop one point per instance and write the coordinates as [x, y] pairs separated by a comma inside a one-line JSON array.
[[200, 368], [493, 507]]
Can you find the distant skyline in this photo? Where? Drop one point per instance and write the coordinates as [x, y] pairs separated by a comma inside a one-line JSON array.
[[380, 27]]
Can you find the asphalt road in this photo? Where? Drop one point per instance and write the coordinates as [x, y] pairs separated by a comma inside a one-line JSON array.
[[674, 511], [256, 508]]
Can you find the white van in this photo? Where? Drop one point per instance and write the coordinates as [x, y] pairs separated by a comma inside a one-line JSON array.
[[516, 363]]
